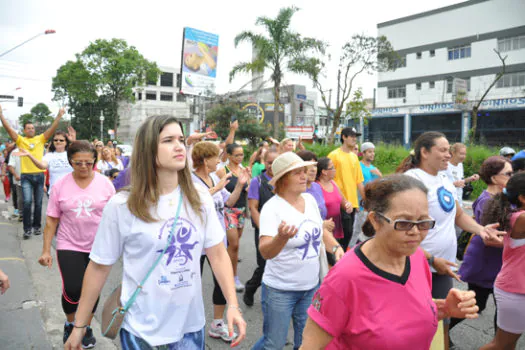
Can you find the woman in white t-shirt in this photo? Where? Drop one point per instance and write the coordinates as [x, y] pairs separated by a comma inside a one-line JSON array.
[[169, 309], [427, 162], [455, 172], [291, 230], [56, 159], [108, 161]]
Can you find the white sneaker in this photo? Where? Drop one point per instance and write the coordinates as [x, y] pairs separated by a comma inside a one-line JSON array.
[[239, 287], [220, 331]]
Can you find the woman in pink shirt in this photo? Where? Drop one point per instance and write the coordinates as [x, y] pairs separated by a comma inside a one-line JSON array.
[[77, 202], [379, 294], [508, 208]]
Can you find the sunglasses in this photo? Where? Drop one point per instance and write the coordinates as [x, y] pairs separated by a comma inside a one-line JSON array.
[[407, 225], [81, 163], [59, 140]]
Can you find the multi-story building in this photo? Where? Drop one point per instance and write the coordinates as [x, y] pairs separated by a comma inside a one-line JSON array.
[[157, 97], [444, 47]]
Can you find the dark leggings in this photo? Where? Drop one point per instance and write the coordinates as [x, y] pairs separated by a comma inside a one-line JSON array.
[[72, 266], [218, 297], [482, 295]]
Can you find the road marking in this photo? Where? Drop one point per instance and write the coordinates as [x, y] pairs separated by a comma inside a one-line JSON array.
[[6, 223], [9, 259]]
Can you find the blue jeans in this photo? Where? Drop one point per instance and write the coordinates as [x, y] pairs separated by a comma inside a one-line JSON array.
[[279, 307], [33, 190], [190, 341]]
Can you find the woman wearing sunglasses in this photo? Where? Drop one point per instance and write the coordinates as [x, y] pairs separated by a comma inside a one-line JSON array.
[[77, 202], [351, 310], [56, 159]]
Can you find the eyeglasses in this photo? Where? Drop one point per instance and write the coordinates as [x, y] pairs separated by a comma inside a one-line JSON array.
[[507, 174], [332, 168], [406, 225], [81, 163], [59, 140]]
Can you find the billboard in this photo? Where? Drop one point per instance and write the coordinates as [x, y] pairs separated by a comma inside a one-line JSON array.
[[199, 62]]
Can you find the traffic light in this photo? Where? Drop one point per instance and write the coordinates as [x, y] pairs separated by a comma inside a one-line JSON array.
[[300, 107], [20, 102]]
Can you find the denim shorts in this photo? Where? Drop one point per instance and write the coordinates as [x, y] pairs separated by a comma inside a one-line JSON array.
[[190, 341]]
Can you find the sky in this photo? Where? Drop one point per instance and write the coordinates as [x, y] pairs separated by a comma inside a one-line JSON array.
[[155, 28]]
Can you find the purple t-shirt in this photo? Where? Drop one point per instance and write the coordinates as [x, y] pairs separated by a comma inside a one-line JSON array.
[[481, 264], [316, 191], [253, 191], [122, 179]]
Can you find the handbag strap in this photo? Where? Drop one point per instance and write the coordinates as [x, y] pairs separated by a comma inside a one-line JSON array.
[[139, 287]]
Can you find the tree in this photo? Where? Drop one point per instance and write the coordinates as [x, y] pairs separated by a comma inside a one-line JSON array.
[[475, 108], [362, 54], [105, 68], [40, 116], [278, 51], [357, 107], [219, 118]]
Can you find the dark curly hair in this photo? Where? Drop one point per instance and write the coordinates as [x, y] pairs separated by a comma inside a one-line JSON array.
[[500, 207], [52, 147]]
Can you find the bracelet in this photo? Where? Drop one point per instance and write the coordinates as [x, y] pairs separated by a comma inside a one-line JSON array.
[[75, 326], [235, 307]]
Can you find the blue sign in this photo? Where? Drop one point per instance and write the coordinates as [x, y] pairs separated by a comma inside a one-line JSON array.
[[301, 97]]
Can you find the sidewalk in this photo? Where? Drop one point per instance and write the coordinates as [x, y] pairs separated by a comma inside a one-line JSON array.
[[21, 323]]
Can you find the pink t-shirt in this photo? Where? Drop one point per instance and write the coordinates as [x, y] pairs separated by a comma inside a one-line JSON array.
[[511, 277], [364, 307], [79, 210]]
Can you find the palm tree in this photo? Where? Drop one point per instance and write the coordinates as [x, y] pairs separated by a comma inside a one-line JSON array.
[[281, 49]]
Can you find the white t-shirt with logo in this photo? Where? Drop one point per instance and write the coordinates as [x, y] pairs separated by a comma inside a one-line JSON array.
[[296, 267], [58, 166], [441, 241], [170, 303], [14, 161], [456, 173]]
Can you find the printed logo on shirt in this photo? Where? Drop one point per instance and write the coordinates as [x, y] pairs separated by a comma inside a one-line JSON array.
[[445, 199], [180, 248], [31, 145], [317, 301], [163, 280], [312, 237], [84, 207], [59, 163]]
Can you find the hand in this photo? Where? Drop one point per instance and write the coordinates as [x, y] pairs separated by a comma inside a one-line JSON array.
[[4, 282], [376, 172], [459, 304], [22, 153], [490, 234], [286, 231], [46, 259], [244, 176], [339, 253], [224, 181], [459, 183], [473, 178], [61, 112], [71, 134], [234, 318], [442, 267], [300, 139], [74, 342], [17, 177], [234, 126], [349, 208], [329, 225], [45, 189]]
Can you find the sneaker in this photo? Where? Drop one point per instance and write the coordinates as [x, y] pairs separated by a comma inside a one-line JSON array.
[[27, 234], [220, 331], [239, 287], [68, 329], [248, 298], [15, 213], [37, 231], [89, 340]]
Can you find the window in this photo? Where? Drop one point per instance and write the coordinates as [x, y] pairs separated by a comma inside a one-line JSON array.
[[397, 92], [401, 62], [432, 53], [450, 85], [151, 82], [179, 81], [166, 96], [139, 96], [431, 84], [511, 80], [468, 83], [456, 53], [418, 86], [181, 97], [511, 44], [151, 95], [166, 79], [418, 55]]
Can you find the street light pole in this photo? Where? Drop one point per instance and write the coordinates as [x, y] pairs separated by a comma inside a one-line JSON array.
[[49, 31], [102, 126]]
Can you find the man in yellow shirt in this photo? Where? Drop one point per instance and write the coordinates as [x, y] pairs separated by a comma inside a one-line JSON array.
[[349, 178], [32, 178]]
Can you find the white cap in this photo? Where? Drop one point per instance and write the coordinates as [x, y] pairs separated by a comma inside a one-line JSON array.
[[367, 145]]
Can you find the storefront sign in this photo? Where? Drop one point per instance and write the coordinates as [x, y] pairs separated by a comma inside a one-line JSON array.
[[294, 132]]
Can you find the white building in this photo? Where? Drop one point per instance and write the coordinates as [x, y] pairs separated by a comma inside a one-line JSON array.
[[157, 97], [441, 45]]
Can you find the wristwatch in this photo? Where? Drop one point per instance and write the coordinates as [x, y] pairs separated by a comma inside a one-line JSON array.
[[334, 249], [431, 260]]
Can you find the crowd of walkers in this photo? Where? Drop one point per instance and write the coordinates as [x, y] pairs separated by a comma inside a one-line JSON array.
[[341, 249]]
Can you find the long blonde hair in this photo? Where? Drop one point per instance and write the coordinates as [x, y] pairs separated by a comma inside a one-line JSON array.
[[144, 190]]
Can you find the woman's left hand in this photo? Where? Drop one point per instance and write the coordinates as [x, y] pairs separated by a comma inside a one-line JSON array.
[[349, 208], [339, 253], [489, 233], [459, 304], [234, 318]]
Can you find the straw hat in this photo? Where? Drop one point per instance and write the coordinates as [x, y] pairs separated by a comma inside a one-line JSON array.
[[285, 163]]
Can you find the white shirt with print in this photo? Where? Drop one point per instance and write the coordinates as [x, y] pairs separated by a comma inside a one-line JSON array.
[[14, 161], [455, 173], [58, 166], [296, 267], [441, 241], [170, 303]]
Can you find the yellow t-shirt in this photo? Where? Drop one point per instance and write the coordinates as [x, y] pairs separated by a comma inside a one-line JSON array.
[[348, 174], [35, 146]]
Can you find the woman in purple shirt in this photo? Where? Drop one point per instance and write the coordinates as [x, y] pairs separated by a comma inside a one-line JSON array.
[[482, 263]]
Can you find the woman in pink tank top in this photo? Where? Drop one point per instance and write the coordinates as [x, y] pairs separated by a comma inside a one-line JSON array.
[[508, 208]]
